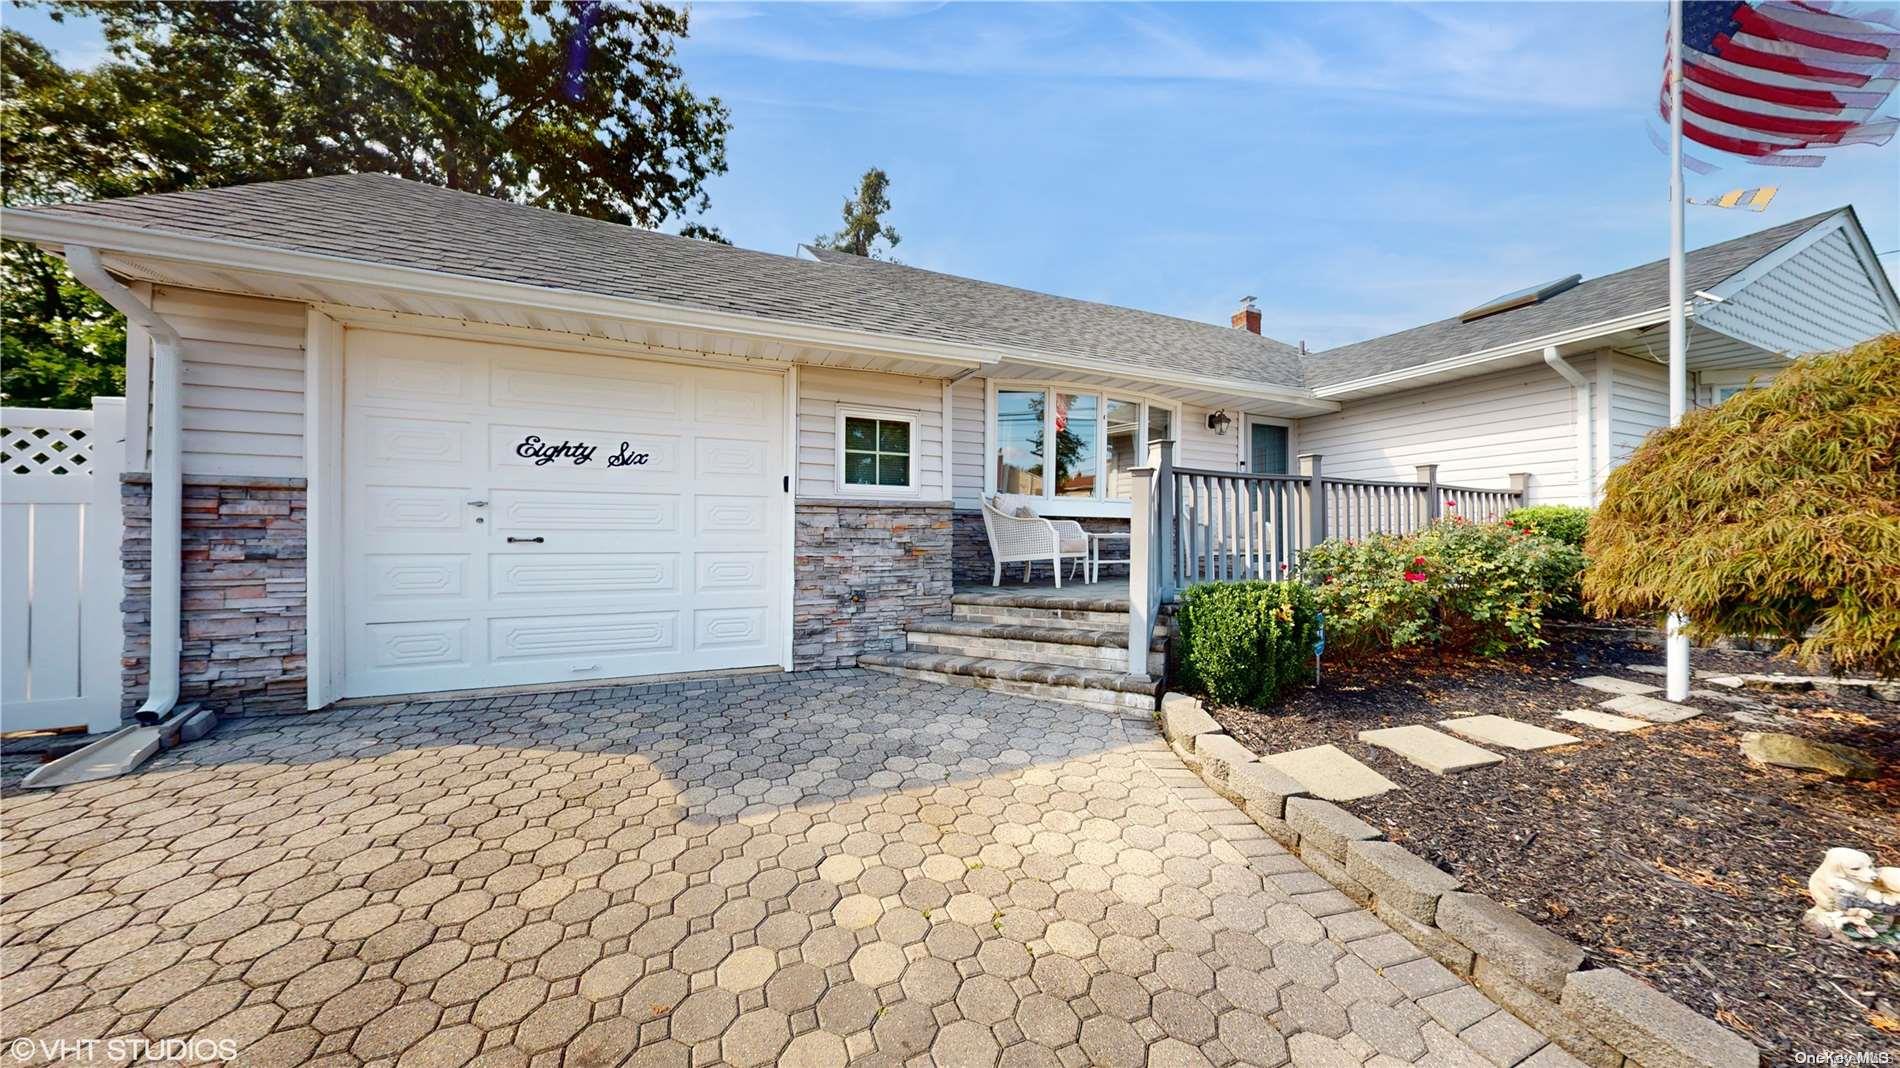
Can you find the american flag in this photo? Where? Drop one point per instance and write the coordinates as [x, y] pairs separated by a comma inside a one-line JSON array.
[[1774, 81]]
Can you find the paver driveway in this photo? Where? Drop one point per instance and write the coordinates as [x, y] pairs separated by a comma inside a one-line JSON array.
[[802, 871]]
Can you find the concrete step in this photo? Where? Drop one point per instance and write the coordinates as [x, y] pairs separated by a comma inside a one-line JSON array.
[[1432, 750], [1102, 649], [1329, 773], [1653, 709], [1508, 733], [1082, 686], [1037, 615]]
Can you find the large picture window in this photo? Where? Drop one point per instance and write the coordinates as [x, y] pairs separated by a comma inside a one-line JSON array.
[[1071, 445]]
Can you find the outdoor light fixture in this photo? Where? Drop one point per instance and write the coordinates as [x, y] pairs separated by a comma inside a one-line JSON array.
[[1219, 421]]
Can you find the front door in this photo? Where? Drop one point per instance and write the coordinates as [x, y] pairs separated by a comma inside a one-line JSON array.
[[1267, 448]]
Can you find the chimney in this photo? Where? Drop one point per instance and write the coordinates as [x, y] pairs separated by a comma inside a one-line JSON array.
[[1248, 317]]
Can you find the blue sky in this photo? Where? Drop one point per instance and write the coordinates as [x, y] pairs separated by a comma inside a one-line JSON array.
[[1361, 168]]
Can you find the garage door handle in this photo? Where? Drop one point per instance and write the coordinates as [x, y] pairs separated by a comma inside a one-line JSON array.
[[535, 540]]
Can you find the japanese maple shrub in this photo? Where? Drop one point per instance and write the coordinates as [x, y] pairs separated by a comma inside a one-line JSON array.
[[1246, 643], [1775, 513], [1485, 586]]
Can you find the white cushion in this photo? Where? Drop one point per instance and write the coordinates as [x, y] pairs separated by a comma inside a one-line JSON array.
[[1015, 504], [1078, 544]]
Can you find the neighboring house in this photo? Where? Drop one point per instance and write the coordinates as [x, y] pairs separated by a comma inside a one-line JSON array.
[[431, 440]]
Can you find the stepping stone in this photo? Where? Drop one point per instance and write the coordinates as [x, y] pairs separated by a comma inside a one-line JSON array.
[[1435, 752], [1509, 733], [1612, 684], [1327, 772], [1603, 721], [1650, 708]]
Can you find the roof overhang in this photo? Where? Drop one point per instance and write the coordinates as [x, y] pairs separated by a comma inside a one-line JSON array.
[[246, 267]]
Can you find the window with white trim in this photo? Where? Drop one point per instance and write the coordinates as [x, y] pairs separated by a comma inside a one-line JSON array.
[[876, 451], [1098, 438]]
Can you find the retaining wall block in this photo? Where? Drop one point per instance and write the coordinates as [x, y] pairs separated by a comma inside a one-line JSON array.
[[1650, 1027], [1532, 954], [1405, 882], [1327, 827]]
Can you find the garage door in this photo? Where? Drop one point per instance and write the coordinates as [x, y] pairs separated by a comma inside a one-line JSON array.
[[518, 515]]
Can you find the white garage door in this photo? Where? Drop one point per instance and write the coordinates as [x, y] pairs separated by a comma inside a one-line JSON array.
[[518, 515]]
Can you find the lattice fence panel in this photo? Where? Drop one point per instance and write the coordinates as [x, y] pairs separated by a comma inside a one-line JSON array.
[[45, 450]]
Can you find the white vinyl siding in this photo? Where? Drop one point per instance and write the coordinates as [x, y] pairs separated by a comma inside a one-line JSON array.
[[820, 393], [1197, 446], [968, 458], [1819, 300], [1479, 431], [242, 382], [1639, 403]]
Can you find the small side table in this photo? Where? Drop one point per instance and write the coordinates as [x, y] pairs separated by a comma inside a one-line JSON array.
[[1095, 559]]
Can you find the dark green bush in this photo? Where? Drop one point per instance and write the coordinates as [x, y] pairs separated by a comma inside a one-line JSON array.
[[1776, 512], [1565, 522], [1246, 643]]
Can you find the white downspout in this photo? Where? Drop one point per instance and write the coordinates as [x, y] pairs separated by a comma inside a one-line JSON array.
[[1586, 418], [167, 485]]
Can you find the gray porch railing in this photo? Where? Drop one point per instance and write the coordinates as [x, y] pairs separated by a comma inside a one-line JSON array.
[[1193, 525]]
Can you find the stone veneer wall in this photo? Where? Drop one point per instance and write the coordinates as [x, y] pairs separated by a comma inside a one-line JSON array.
[[242, 596], [864, 570], [973, 551]]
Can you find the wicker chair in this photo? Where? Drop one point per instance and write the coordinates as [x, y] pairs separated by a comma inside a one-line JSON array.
[[1027, 539]]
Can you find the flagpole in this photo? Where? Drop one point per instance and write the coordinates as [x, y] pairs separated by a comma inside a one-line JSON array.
[[1676, 644]]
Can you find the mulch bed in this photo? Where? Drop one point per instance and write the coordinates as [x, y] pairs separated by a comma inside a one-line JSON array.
[[1664, 852]]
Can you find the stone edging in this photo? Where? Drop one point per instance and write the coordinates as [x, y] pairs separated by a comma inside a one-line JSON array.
[[1604, 1017]]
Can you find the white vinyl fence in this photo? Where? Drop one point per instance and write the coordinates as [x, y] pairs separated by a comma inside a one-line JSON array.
[[61, 632]]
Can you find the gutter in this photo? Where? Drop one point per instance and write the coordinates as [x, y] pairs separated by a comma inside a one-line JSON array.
[[1586, 421], [167, 487]]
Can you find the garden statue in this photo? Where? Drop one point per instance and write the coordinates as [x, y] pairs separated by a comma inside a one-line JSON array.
[[1855, 902]]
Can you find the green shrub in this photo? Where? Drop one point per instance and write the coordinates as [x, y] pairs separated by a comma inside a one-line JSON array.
[[1246, 643], [1565, 522], [1457, 583], [1774, 513]]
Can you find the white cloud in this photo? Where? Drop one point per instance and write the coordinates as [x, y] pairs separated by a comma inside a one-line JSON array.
[[1543, 59]]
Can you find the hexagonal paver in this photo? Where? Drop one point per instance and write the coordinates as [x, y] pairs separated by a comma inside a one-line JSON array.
[[804, 871]]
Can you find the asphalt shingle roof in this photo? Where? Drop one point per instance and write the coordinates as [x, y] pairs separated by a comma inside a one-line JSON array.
[[1595, 300], [387, 220]]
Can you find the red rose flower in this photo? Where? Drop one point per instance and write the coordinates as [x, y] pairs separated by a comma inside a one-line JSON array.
[[1414, 576]]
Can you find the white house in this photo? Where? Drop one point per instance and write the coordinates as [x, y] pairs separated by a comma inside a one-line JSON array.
[[399, 439]]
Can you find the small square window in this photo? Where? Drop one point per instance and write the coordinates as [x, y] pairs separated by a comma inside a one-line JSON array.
[[876, 452]]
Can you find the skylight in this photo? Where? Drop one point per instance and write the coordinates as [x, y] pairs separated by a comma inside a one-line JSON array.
[[1520, 298]]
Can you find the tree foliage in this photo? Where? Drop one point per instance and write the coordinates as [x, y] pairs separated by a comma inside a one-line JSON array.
[[864, 224], [1776, 513], [580, 107]]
